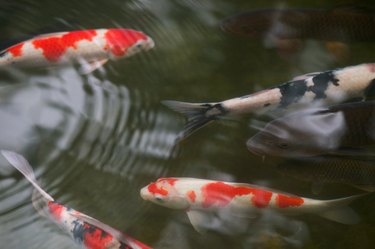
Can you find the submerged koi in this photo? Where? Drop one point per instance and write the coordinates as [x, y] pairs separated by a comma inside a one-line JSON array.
[[330, 169], [286, 28], [337, 24], [344, 129], [320, 88], [85, 230], [91, 48], [199, 197]]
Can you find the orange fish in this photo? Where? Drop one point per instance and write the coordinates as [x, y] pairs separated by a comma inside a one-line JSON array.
[[90, 48], [199, 198]]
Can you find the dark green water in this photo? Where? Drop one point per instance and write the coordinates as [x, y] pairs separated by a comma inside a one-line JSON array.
[[95, 140]]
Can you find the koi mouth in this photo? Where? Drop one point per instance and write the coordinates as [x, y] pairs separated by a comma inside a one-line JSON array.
[[150, 43], [144, 193]]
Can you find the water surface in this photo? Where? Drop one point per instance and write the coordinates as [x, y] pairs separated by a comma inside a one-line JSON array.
[[95, 140]]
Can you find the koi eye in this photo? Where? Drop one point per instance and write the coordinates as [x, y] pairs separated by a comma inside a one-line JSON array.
[[139, 45], [159, 199], [283, 145]]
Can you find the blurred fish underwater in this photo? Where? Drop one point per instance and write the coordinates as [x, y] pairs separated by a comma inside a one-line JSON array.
[[359, 173], [285, 28], [344, 129]]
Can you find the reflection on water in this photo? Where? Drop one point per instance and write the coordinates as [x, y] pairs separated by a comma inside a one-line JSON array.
[[95, 140]]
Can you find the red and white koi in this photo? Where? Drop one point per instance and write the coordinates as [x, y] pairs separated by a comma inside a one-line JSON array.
[[85, 230], [198, 197], [317, 89], [91, 48]]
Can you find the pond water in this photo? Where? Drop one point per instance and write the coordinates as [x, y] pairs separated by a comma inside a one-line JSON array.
[[95, 140]]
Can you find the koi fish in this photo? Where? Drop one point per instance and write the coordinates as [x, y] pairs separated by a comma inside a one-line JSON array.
[[91, 48], [357, 173], [343, 129], [200, 197], [320, 88], [86, 231], [285, 28], [338, 24]]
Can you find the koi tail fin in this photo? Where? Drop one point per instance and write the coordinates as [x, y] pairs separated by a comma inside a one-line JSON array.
[[198, 115], [23, 166], [337, 210]]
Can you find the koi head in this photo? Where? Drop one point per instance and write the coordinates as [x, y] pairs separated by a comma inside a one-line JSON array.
[[126, 42], [163, 192]]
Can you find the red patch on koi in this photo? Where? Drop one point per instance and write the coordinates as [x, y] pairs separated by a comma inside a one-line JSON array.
[[16, 50], [371, 67], [155, 189], [54, 47], [221, 194], [192, 196], [119, 40], [284, 201], [95, 238], [56, 210]]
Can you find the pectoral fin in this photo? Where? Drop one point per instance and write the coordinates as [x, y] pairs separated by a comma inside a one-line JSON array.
[[89, 67], [344, 215], [200, 220]]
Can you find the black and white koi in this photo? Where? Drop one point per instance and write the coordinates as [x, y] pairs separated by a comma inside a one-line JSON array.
[[85, 230], [319, 88]]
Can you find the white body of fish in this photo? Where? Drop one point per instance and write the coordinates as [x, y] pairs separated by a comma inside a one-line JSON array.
[[198, 196]]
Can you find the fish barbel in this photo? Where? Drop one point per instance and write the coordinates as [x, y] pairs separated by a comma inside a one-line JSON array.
[[86, 231]]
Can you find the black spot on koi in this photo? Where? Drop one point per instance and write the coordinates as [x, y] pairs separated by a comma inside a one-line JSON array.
[[292, 92], [78, 232], [214, 110], [321, 82], [80, 229]]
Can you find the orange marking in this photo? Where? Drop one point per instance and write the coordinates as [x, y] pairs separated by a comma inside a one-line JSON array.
[[54, 47], [192, 196], [221, 194], [155, 187], [284, 201], [56, 209], [16, 50], [119, 40]]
